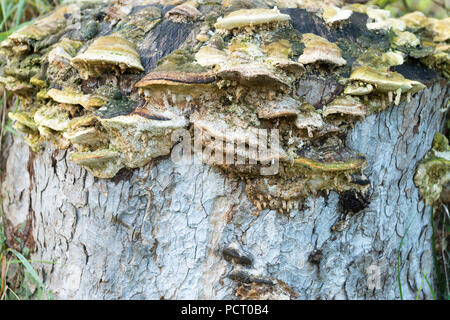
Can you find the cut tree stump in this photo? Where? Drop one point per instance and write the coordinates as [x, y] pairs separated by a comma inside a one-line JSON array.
[[188, 231]]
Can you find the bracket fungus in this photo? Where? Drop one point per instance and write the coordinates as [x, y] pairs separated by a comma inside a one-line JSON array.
[[86, 131], [330, 160], [106, 53], [406, 38], [415, 20], [345, 105], [278, 53], [185, 12], [23, 39], [62, 52], [176, 88], [248, 65], [101, 163], [174, 78], [320, 49], [330, 167], [140, 139], [309, 120], [441, 29], [251, 150], [14, 85], [25, 119], [251, 18], [284, 107], [252, 74], [69, 96], [384, 82], [208, 56], [380, 19], [228, 78], [53, 117], [434, 170], [334, 15], [85, 136], [24, 122]]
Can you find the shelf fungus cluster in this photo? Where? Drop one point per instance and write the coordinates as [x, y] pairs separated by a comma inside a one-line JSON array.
[[107, 53], [110, 94], [318, 49], [252, 18], [433, 172], [366, 80], [414, 35], [29, 37], [372, 79]]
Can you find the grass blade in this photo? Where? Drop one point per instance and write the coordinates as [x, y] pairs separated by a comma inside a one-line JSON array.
[[6, 34], [34, 261], [398, 257], [3, 9], [11, 130], [27, 266], [19, 11], [429, 285], [3, 274], [420, 287]]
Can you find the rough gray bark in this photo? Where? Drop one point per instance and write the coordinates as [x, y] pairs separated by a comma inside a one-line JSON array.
[[188, 231], [160, 231]]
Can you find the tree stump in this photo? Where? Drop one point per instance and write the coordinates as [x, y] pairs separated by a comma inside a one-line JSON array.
[[161, 229]]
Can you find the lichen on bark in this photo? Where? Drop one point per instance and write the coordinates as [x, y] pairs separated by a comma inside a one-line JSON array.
[[232, 70]]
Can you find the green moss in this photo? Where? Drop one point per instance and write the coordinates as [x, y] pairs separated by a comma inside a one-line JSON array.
[[419, 52], [21, 74], [439, 61], [431, 175], [134, 27], [38, 82], [434, 170], [118, 105], [373, 58], [307, 107], [310, 164], [288, 33], [24, 118], [440, 142], [179, 60], [89, 30], [34, 140]]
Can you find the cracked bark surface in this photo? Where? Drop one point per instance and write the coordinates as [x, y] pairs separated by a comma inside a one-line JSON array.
[[159, 231]]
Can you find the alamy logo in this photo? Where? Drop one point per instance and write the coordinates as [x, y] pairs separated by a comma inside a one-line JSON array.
[[252, 146], [373, 277]]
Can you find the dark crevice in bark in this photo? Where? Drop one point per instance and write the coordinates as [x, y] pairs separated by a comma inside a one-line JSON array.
[[162, 40]]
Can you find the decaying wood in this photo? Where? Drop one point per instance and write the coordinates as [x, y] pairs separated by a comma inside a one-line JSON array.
[[170, 230]]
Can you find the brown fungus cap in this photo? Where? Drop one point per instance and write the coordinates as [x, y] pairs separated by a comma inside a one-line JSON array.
[[320, 49], [108, 50], [175, 78]]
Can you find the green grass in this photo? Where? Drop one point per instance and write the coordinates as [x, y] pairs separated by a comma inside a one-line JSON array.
[[441, 265], [18, 278], [399, 258], [424, 277], [15, 12], [441, 280], [432, 8]]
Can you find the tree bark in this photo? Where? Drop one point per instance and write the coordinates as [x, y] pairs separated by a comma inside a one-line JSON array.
[[177, 231]]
